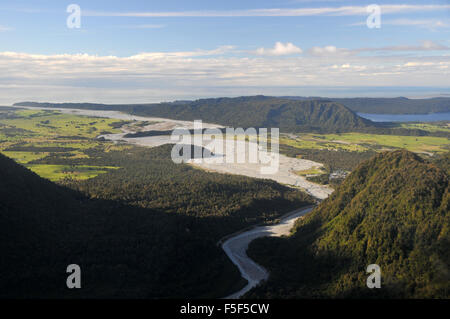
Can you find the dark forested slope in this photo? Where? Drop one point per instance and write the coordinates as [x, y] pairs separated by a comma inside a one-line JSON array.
[[146, 230], [394, 211]]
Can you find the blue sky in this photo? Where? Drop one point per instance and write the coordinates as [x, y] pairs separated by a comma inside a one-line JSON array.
[[145, 51]]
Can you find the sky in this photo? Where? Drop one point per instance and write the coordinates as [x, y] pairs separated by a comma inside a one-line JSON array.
[[150, 51]]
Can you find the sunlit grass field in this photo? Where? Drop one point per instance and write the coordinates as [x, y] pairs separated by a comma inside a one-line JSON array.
[[312, 171], [59, 172], [29, 136], [362, 142], [53, 124], [430, 127], [25, 157], [411, 143], [314, 141]]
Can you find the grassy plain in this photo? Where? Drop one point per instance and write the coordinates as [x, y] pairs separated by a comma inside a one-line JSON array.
[[429, 127], [28, 136], [55, 124], [58, 172], [360, 142], [25, 157], [312, 171]]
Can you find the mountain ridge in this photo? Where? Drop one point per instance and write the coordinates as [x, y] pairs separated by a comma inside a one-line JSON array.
[[394, 105], [374, 105], [254, 111], [394, 211]]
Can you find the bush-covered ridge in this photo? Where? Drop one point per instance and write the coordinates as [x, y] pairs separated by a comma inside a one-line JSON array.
[[289, 116], [394, 211], [253, 111], [294, 114], [395, 105]]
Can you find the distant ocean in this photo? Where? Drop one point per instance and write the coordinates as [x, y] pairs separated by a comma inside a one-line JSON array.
[[433, 117]]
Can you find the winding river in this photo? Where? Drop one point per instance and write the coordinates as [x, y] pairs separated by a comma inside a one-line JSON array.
[[236, 249], [287, 167], [236, 245]]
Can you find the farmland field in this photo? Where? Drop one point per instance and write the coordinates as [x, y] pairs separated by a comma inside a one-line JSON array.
[[28, 136], [430, 127], [360, 142], [343, 152], [59, 172]]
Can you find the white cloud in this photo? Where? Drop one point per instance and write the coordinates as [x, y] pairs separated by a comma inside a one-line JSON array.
[[426, 45], [430, 45], [197, 53], [280, 49], [277, 12], [153, 76], [3, 28], [331, 50], [328, 50], [424, 23]]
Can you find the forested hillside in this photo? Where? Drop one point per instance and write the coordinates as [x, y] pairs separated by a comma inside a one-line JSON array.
[[393, 210], [290, 115], [254, 111], [396, 105], [260, 111], [146, 230]]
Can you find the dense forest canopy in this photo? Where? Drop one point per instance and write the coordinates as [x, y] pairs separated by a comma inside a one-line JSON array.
[[146, 230], [399, 105], [396, 105], [393, 210]]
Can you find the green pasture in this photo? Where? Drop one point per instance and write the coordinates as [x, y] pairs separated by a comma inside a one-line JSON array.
[[362, 142], [313, 141], [311, 171], [54, 123], [418, 144], [58, 172], [429, 127], [24, 157], [31, 135]]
